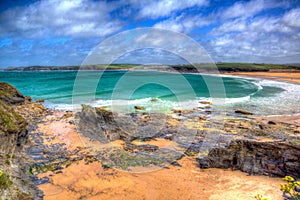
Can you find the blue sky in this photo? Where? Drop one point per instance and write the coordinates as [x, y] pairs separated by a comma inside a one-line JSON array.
[[63, 32]]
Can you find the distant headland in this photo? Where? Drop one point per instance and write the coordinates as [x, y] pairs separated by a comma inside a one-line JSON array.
[[222, 67]]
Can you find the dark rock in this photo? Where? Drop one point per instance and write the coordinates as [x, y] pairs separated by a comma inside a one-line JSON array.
[[147, 147], [176, 164], [28, 99], [243, 112], [265, 158], [14, 134], [98, 124], [106, 126], [34, 150], [271, 122], [10, 95], [41, 181]]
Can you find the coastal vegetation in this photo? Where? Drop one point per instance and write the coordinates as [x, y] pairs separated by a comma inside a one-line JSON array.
[[5, 181], [291, 187], [222, 66]]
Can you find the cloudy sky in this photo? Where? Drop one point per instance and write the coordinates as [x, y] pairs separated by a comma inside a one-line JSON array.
[[63, 32]]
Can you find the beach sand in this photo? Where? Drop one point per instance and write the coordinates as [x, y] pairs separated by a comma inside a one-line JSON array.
[[91, 181], [80, 181], [286, 76]]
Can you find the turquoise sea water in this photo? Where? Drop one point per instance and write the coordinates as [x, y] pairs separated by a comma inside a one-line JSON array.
[[57, 88]]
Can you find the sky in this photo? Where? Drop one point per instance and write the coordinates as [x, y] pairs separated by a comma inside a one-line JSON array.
[[64, 32]]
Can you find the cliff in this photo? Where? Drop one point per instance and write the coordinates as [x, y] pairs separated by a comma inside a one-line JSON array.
[[14, 184]]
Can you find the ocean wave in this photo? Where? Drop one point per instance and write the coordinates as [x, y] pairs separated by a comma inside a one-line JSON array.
[[149, 103]]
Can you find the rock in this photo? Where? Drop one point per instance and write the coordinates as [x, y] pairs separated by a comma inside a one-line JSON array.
[[182, 111], [154, 99], [10, 95], [10, 121], [40, 101], [264, 158], [243, 112], [206, 102], [28, 99], [13, 134], [139, 108], [147, 147], [202, 117], [208, 111], [43, 180], [98, 124], [271, 122], [176, 164], [176, 111]]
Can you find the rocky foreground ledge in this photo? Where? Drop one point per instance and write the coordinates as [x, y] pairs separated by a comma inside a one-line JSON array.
[[235, 142], [32, 154]]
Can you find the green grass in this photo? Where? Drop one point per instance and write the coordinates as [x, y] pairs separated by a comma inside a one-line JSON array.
[[10, 121], [240, 66], [5, 181]]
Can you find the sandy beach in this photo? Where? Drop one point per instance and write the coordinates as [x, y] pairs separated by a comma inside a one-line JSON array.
[[289, 76], [188, 181]]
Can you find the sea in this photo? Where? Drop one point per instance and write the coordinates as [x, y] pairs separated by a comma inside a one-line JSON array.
[[155, 91]]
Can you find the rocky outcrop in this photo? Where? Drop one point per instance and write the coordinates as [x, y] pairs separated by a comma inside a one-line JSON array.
[[105, 126], [12, 124], [10, 95], [98, 124], [13, 133], [255, 157]]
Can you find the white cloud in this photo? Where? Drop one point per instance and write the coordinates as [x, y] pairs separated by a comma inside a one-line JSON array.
[[230, 26], [184, 23], [60, 18], [243, 9], [257, 39], [256, 25], [292, 18], [164, 8]]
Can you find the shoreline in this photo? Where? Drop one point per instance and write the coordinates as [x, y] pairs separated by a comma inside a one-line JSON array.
[[287, 77]]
